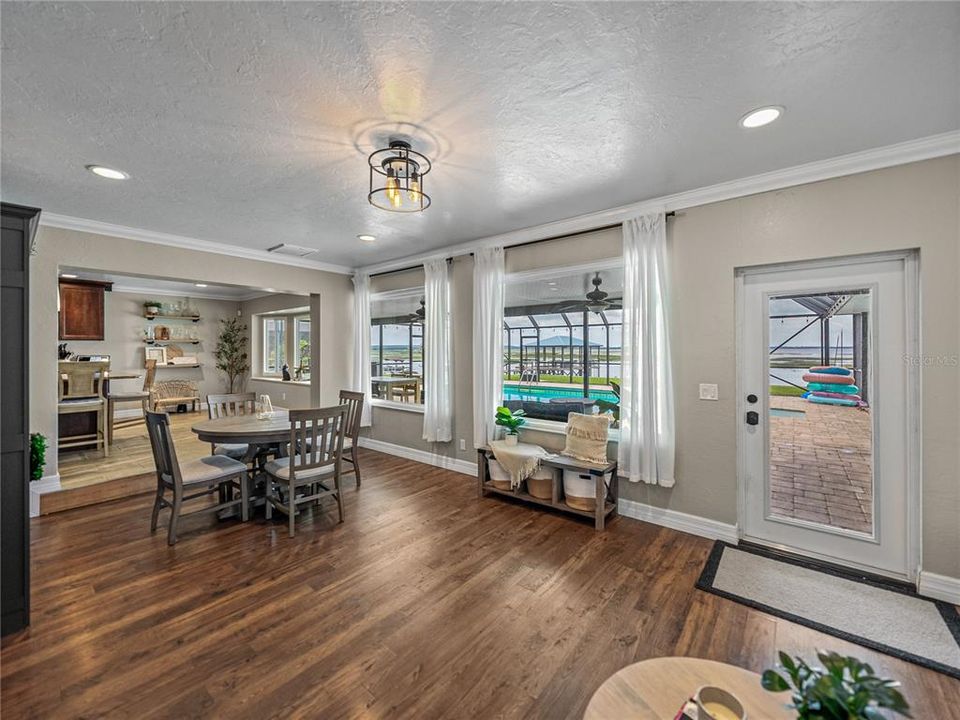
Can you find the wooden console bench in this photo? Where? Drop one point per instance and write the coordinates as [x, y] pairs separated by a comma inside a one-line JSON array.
[[606, 496]]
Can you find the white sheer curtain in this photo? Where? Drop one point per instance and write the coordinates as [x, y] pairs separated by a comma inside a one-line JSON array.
[[361, 342], [488, 280], [647, 440], [437, 353]]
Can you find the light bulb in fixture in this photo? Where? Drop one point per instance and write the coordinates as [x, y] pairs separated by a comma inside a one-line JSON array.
[[415, 187], [393, 189]]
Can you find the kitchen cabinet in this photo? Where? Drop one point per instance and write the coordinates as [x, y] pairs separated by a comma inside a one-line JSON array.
[[81, 309]]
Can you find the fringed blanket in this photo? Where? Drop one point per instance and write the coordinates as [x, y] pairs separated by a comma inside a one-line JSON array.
[[520, 460]]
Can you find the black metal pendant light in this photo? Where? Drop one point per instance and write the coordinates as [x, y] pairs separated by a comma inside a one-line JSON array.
[[396, 178]]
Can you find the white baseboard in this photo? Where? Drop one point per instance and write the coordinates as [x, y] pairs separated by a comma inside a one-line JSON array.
[[46, 484], [940, 587], [693, 524], [461, 466]]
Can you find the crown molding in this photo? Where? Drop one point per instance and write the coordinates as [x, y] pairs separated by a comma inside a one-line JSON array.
[[68, 222], [878, 158]]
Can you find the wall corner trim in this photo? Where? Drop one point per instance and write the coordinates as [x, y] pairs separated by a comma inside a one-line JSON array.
[[939, 587], [68, 222], [422, 456], [675, 520], [46, 484]]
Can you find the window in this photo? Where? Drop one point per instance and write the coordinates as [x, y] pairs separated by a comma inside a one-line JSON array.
[[274, 345], [286, 339], [559, 355], [396, 346], [302, 349]]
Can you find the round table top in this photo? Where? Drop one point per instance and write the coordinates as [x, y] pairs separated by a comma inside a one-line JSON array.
[[245, 429], [658, 688]]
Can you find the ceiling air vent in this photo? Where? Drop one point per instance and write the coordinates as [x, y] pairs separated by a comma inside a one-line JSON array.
[[291, 250]]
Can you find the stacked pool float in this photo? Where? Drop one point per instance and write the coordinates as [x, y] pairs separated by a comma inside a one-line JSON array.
[[831, 385]]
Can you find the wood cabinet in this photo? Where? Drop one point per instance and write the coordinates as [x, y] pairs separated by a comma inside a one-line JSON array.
[[19, 224], [81, 309]]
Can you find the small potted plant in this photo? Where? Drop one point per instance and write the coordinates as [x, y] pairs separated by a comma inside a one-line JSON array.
[[151, 307], [38, 455], [843, 689], [512, 420]]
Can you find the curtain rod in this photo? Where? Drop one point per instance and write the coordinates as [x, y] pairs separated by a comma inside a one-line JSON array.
[[523, 244]]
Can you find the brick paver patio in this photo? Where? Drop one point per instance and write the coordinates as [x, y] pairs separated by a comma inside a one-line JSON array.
[[820, 464]]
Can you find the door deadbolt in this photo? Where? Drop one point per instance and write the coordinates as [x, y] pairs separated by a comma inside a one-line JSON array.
[[753, 418]]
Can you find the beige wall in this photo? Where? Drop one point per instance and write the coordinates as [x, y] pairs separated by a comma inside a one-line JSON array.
[[122, 339], [58, 247], [911, 206]]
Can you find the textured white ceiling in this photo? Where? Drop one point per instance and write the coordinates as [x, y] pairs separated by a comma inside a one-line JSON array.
[[249, 123]]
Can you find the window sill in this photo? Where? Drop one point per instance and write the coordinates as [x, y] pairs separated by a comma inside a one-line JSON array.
[[302, 383], [559, 428], [405, 407]]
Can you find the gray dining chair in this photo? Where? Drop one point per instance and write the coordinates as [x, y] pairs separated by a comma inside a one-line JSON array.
[[316, 446], [231, 405], [354, 402], [205, 476]]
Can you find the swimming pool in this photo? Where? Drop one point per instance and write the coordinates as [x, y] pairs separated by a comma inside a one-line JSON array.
[[514, 391]]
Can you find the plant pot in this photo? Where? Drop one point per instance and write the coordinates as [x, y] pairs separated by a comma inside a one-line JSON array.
[[152, 309], [511, 439]]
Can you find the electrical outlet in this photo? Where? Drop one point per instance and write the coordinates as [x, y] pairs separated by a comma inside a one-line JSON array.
[[708, 391], [463, 444]]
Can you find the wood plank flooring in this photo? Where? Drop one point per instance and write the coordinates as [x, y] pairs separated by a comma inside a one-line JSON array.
[[426, 603], [130, 454]]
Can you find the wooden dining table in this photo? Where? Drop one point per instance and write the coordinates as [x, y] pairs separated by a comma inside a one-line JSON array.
[[246, 430]]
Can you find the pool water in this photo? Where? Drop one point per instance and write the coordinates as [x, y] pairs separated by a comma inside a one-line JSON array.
[[785, 413], [514, 391]]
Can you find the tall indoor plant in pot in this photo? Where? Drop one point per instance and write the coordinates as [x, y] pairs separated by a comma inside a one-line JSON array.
[[843, 689], [512, 420], [231, 353]]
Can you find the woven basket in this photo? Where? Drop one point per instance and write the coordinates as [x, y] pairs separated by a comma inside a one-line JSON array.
[[499, 477], [579, 503], [541, 488]]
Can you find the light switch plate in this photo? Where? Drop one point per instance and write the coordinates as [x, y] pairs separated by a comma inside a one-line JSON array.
[[708, 391]]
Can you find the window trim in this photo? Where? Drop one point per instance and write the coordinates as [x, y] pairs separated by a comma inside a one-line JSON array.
[[263, 345], [399, 294]]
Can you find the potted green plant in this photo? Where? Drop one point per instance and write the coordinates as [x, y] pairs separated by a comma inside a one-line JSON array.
[[231, 353], [610, 406], [843, 689], [38, 455], [512, 420], [151, 307]]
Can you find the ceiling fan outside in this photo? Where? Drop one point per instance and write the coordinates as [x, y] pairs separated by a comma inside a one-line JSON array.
[[595, 301]]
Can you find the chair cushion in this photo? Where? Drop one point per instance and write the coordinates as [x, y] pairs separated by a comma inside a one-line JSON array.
[[210, 468], [77, 403], [237, 451], [136, 395], [280, 468]]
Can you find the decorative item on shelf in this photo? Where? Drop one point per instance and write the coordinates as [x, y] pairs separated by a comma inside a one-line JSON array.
[[156, 353], [396, 178], [148, 334], [264, 407], [152, 307], [38, 455], [285, 372], [161, 332], [189, 310], [62, 352], [512, 420], [231, 353], [843, 689]]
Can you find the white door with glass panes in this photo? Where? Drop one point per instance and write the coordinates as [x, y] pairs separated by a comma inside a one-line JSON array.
[[827, 411]]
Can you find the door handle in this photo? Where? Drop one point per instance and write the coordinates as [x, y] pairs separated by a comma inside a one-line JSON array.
[[753, 418]]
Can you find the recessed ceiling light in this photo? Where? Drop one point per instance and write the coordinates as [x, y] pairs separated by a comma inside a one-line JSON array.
[[761, 116], [199, 284], [69, 276], [366, 238], [108, 173]]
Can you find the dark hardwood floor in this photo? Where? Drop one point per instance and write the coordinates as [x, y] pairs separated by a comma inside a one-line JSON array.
[[425, 603]]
